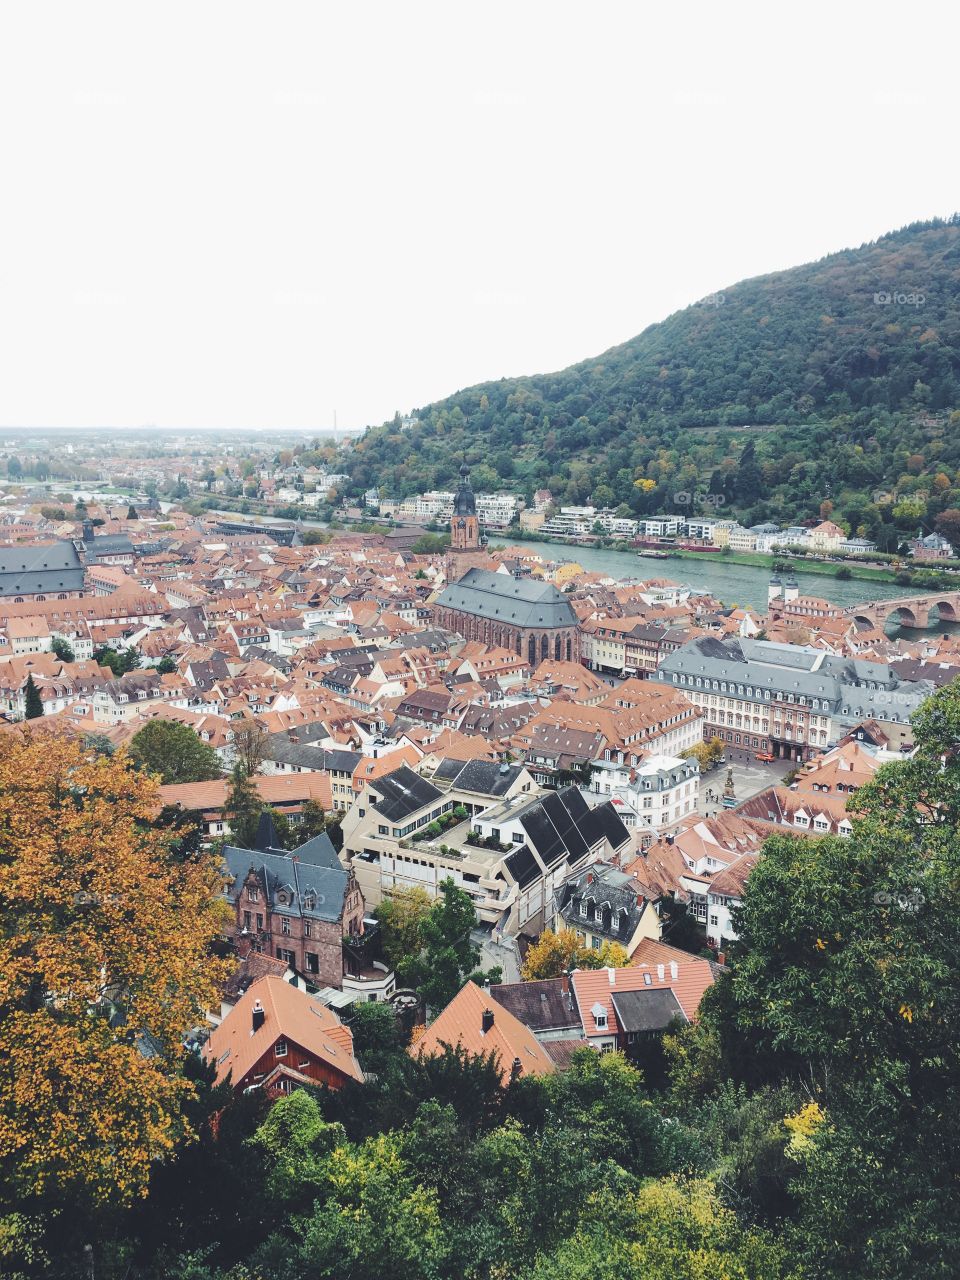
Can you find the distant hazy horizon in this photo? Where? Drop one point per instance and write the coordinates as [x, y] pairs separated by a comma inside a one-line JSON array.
[[252, 220]]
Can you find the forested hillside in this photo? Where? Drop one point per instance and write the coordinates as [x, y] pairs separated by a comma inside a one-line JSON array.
[[833, 381]]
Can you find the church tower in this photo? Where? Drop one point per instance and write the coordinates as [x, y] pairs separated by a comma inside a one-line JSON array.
[[464, 525]]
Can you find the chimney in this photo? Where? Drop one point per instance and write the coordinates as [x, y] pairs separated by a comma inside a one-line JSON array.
[[486, 1022], [612, 976], [674, 971], [259, 1016], [660, 972]]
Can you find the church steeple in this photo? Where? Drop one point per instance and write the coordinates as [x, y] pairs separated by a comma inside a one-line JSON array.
[[464, 525], [464, 503]]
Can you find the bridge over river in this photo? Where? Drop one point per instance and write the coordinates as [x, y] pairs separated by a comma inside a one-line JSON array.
[[907, 611]]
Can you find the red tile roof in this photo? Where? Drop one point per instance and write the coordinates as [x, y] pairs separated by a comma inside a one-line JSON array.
[[461, 1023]]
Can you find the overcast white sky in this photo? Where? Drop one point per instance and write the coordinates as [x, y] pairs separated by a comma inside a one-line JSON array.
[[225, 214]]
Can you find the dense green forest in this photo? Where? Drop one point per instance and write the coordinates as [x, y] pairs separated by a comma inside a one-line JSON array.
[[833, 382], [807, 1127]]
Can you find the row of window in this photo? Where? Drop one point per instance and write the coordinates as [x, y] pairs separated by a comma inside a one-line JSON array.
[[723, 686]]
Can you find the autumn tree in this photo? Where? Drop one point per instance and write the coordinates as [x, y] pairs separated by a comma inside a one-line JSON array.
[[104, 940], [174, 752], [401, 917], [556, 953]]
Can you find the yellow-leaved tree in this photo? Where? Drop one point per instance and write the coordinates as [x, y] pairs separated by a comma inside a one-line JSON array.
[[554, 953], [105, 962]]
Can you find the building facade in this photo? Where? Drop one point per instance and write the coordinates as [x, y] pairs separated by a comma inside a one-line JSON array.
[[525, 615], [788, 700]]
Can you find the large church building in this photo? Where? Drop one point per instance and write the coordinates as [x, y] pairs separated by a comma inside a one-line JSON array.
[[526, 615]]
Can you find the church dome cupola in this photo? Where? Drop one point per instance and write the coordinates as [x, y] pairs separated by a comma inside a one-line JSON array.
[[464, 503]]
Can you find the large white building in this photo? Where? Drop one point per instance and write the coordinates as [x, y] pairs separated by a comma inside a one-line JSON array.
[[658, 793]]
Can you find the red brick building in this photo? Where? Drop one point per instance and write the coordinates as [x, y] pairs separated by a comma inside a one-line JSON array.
[[298, 908], [277, 1037]]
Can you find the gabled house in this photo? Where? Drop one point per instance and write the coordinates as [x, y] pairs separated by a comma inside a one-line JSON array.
[[479, 1024], [277, 1038], [308, 912], [624, 1008]]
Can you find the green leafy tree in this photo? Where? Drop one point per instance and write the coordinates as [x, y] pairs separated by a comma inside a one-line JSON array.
[[847, 981], [243, 807], [174, 752], [370, 1219], [166, 666], [313, 821], [429, 544], [120, 661], [62, 649], [377, 1041], [448, 955], [668, 1230]]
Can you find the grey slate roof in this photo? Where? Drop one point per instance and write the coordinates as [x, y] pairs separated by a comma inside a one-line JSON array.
[[852, 689], [292, 886], [560, 825], [37, 570], [522, 602], [483, 777], [318, 852], [541, 1006], [403, 792], [108, 544], [613, 895], [644, 1010], [281, 749]]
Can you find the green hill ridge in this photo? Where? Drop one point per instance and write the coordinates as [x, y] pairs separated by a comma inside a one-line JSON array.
[[832, 382]]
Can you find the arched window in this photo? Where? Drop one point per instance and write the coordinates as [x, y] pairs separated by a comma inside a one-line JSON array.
[[532, 651], [569, 648], [544, 648], [556, 649]]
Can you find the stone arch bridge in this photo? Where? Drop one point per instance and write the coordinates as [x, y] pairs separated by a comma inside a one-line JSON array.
[[908, 611]]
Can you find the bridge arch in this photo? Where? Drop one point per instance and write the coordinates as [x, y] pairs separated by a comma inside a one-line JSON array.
[[946, 609], [903, 616]]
